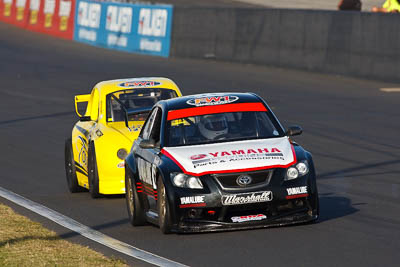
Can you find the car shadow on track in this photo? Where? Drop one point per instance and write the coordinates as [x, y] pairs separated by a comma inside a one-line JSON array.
[[333, 207]]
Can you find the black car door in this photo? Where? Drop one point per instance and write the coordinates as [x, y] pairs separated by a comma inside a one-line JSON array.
[[146, 157]]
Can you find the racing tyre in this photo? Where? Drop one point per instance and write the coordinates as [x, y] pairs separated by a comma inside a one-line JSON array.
[[135, 211], [70, 169], [93, 175], [314, 199], [164, 216]]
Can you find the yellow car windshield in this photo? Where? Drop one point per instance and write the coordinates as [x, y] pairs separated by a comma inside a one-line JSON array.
[[134, 99]]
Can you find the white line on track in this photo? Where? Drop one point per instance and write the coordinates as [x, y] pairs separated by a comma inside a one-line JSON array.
[[390, 90], [87, 231]]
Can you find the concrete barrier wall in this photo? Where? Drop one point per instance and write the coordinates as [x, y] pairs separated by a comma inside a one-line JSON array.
[[349, 43]]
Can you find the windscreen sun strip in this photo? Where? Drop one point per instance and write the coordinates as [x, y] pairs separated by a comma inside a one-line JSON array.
[[197, 111]]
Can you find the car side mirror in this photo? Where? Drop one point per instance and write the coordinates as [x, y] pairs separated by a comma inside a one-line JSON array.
[[85, 118], [147, 144], [294, 130]]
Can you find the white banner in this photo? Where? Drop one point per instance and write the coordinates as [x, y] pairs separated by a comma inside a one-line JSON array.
[[234, 156]]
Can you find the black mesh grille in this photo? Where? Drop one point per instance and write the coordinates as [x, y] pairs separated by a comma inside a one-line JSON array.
[[230, 180]]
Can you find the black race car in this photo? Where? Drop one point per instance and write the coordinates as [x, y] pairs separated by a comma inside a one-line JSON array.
[[218, 162]]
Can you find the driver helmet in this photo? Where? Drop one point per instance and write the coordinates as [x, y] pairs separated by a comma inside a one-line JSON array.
[[213, 125]]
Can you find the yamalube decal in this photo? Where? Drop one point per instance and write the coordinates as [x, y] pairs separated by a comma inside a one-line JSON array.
[[297, 190], [192, 200], [233, 156]]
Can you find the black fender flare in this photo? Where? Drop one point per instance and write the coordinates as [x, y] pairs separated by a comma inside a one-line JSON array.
[[130, 163]]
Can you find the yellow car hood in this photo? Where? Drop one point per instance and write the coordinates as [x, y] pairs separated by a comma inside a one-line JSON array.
[[130, 134]]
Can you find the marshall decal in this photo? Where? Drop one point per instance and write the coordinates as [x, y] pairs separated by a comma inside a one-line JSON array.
[[246, 198], [212, 100], [139, 84]]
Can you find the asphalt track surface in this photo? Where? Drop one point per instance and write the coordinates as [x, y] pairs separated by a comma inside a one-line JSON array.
[[350, 126]]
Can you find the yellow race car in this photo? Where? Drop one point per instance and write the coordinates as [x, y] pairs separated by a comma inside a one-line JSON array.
[[101, 139]]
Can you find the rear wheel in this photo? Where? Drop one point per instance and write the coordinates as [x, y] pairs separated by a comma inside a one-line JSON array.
[[70, 169], [164, 216], [135, 211], [93, 175]]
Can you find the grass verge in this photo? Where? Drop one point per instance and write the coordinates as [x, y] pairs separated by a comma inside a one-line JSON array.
[[27, 243]]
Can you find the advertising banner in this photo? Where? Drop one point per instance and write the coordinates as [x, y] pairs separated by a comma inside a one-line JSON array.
[[129, 27], [14, 11], [54, 17]]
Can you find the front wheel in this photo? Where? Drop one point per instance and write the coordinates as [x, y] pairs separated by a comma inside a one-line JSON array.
[[93, 175], [70, 169], [164, 216], [135, 211], [313, 198]]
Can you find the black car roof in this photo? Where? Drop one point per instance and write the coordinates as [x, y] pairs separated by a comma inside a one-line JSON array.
[[210, 99]]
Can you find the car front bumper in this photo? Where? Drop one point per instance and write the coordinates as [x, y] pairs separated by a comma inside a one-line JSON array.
[[261, 215], [295, 217]]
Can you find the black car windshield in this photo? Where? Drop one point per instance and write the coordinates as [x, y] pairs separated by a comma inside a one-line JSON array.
[[133, 99], [221, 127]]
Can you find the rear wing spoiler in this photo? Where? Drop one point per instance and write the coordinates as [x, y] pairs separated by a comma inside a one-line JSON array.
[[82, 99]]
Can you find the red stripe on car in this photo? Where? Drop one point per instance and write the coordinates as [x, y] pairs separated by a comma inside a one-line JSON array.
[[197, 111], [192, 205], [297, 196]]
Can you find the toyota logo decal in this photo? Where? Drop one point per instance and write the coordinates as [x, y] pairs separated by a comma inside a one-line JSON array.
[[244, 180]]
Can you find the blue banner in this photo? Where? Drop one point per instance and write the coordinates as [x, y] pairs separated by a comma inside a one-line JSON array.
[[134, 28]]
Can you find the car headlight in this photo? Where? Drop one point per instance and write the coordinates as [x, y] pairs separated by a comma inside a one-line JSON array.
[[186, 181], [179, 180], [292, 173], [302, 167], [298, 170], [194, 182]]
